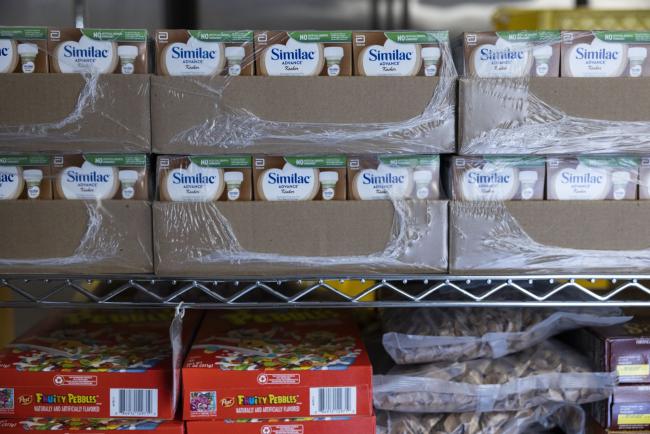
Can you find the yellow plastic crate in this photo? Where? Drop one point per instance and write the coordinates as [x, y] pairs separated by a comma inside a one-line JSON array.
[[574, 19]]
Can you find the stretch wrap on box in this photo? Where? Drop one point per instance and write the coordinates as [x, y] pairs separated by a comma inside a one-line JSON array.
[[75, 113], [540, 420], [529, 237], [547, 373], [209, 237], [74, 236], [205, 114], [521, 115], [457, 334]]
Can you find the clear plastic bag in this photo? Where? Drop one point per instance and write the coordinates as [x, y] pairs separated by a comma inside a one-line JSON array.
[[569, 418], [456, 334], [548, 373]]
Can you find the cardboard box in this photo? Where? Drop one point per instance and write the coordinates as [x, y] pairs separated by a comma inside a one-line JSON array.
[[623, 349], [277, 364], [25, 177], [204, 178], [98, 364], [23, 50], [301, 177], [605, 53], [549, 236], [298, 115], [102, 51], [627, 409], [496, 178], [518, 53], [308, 238], [592, 178], [594, 428], [100, 176], [204, 52], [384, 177], [644, 179], [303, 53], [400, 53], [490, 108], [91, 426], [66, 113], [75, 237], [338, 425]]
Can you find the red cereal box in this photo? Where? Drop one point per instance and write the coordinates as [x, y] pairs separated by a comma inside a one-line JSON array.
[[93, 364], [327, 425], [276, 364], [90, 426]]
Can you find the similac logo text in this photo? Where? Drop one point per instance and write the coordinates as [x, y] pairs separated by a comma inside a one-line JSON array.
[[586, 178], [7, 177], [389, 178], [294, 178], [196, 53], [90, 52], [297, 54], [266, 399], [493, 178], [376, 55], [4, 51], [74, 176], [597, 54], [199, 178], [505, 54]]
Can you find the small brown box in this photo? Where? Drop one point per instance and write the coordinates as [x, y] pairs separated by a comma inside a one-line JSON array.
[[592, 178], [102, 51], [627, 409], [25, 177], [406, 53], [303, 53], [492, 178], [394, 177], [204, 178], [23, 50], [519, 53], [605, 54], [204, 52], [299, 178], [100, 176]]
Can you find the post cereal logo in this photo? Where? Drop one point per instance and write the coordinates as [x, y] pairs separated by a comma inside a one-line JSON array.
[[227, 402], [25, 399], [262, 379]]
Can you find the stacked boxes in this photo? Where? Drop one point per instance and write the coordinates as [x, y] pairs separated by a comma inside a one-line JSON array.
[[262, 366]]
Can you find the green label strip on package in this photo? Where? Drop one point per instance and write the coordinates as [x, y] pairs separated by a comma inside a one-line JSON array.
[[222, 35], [316, 36], [410, 160], [24, 160], [531, 36], [623, 36], [418, 37], [126, 35], [321, 161], [23, 33], [212, 161], [621, 162], [134, 160], [516, 161]]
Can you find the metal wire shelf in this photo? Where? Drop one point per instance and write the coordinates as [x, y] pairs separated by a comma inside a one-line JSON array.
[[347, 292]]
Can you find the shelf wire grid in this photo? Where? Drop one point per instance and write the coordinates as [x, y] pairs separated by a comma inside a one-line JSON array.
[[386, 291]]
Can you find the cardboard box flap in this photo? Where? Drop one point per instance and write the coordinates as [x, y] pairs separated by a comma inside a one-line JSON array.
[[554, 116], [548, 236], [70, 112], [76, 237], [300, 114], [299, 237]]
